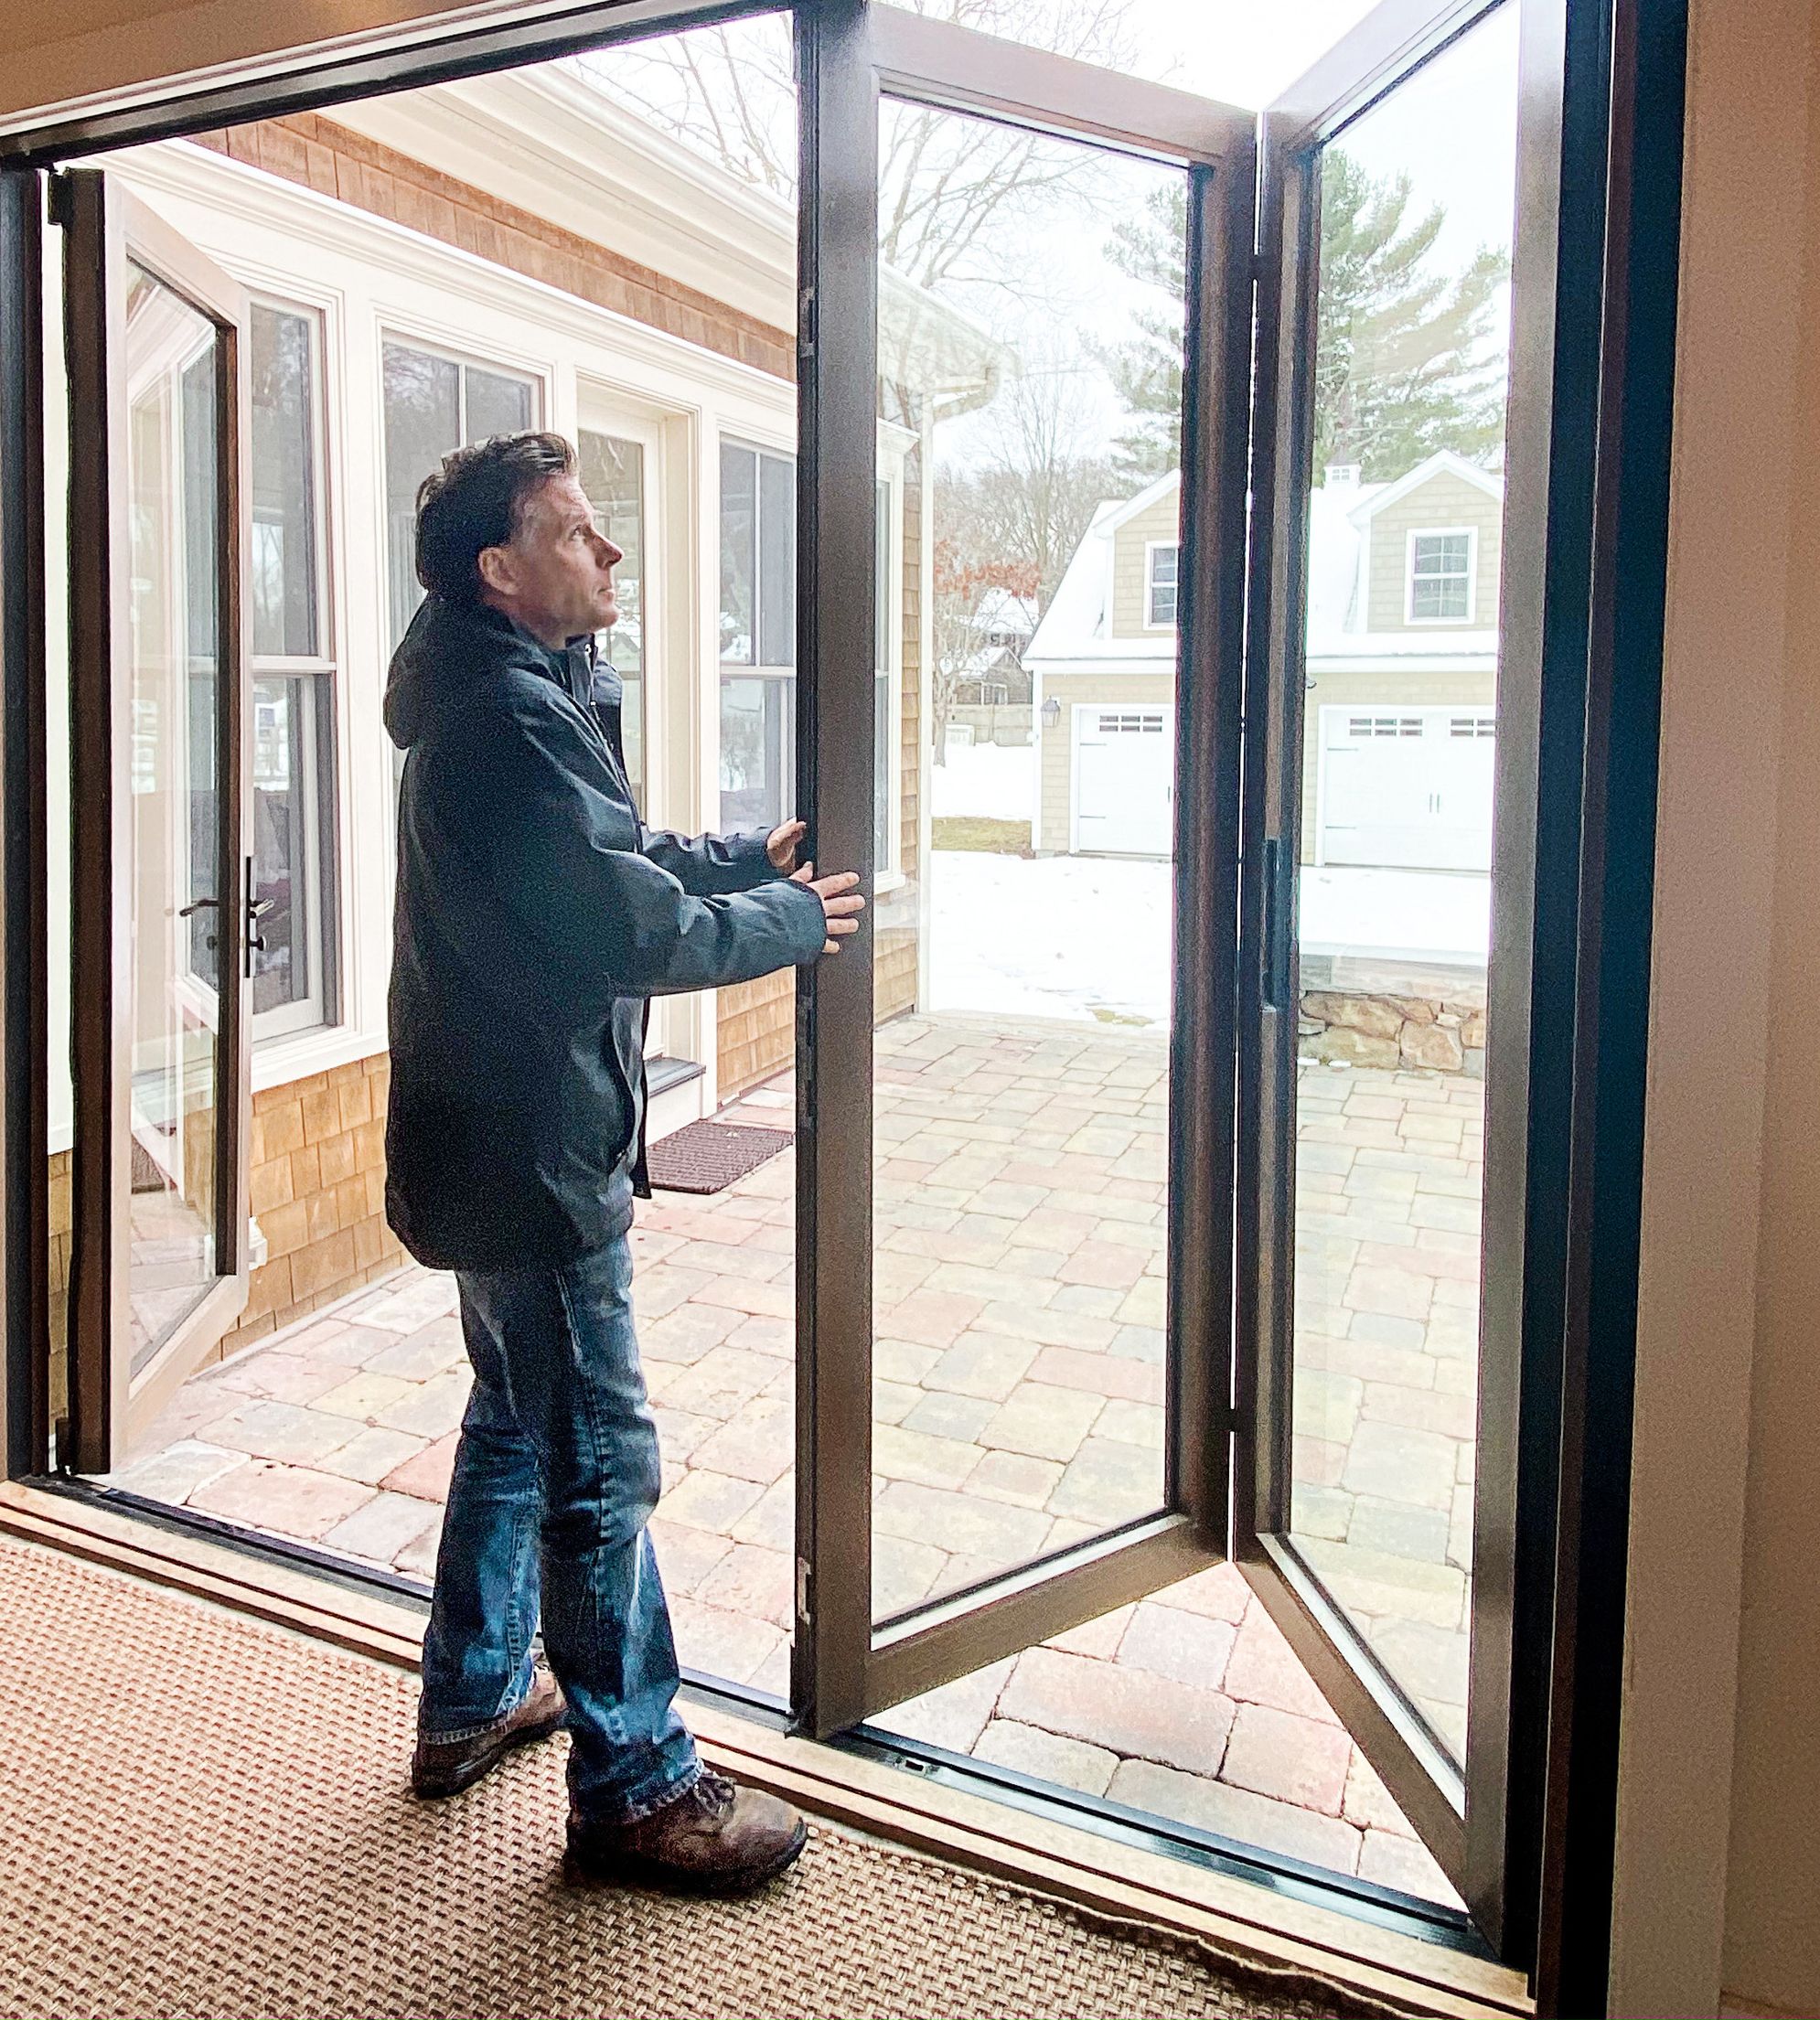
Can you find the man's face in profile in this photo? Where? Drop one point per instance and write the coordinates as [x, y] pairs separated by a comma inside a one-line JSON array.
[[555, 575]]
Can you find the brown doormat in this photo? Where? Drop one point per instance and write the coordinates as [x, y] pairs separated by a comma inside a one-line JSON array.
[[215, 1824], [707, 1157]]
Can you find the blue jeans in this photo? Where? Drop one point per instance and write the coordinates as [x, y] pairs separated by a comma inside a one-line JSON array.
[[555, 1478]]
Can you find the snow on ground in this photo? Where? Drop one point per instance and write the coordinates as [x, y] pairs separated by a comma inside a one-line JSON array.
[[1400, 914], [1061, 938], [989, 782], [1088, 937]]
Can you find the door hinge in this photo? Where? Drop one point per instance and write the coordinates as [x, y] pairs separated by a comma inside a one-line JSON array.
[[806, 322], [58, 198], [805, 1612]]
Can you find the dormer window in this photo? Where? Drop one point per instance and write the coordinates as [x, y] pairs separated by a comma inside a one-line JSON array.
[[1161, 558], [1441, 568]]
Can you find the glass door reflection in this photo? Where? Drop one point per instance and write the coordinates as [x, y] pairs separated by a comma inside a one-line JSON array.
[[1023, 936], [175, 874]]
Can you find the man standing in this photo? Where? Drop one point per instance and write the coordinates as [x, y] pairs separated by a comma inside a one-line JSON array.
[[536, 916]]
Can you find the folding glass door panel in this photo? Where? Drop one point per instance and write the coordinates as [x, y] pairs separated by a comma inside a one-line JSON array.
[[1016, 1113], [1392, 711], [163, 918]]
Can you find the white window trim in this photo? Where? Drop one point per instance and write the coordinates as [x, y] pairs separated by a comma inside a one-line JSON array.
[[1438, 533], [325, 849], [1150, 585], [373, 280], [598, 415]]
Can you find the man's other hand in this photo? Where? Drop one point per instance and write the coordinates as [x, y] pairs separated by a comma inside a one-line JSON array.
[[782, 845], [841, 907]]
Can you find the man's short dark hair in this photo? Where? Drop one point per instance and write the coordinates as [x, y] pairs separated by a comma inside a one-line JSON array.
[[477, 500]]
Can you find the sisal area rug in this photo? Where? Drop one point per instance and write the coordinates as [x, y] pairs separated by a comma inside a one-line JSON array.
[[203, 1818]]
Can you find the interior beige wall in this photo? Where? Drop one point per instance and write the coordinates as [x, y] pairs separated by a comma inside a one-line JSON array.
[[1773, 1920], [1722, 1715]]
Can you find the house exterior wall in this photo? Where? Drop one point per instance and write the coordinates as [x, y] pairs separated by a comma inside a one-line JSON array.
[[317, 1189], [756, 1021], [1447, 502], [1393, 688], [1055, 747], [1160, 521], [335, 161], [318, 1199]]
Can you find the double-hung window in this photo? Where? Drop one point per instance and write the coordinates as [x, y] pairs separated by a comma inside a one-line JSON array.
[[434, 405], [1440, 578], [294, 668], [758, 636], [1161, 561], [612, 476], [758, 646]]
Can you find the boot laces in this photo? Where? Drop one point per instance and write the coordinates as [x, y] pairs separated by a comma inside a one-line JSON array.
[[715, 1794]]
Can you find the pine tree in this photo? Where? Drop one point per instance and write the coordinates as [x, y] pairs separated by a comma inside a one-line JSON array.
[[1402, 366]]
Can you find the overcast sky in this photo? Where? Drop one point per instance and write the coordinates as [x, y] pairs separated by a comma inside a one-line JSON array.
[[1056, 297]]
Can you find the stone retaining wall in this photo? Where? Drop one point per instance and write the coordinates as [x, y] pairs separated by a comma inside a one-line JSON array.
[[1442, 1033]]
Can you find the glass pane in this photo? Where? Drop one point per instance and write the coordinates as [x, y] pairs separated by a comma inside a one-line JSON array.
[[423, 423], [1417, 200], [757, 749], [201, 538], [284, 484], [776, 561], [170, 725], [283, 778], [612, 476], [1190, 1707], [496, 405], [739, 536], [1023, 967]]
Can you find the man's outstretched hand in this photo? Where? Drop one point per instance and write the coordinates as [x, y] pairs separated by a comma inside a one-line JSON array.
[[840, 906], [781, 845]]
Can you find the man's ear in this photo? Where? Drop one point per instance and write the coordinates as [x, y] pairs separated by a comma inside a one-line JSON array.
[[493, 565]]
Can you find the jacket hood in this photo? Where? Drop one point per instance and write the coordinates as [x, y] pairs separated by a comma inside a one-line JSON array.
[[447, 647]]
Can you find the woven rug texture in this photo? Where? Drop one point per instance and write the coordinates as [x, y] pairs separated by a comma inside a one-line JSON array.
[[204, 1818]]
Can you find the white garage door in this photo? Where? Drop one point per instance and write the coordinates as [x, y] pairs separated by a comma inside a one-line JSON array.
[[1408, 788], [1124, 780]]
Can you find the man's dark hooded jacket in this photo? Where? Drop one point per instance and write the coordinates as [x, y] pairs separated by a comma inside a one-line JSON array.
[[535, 916]]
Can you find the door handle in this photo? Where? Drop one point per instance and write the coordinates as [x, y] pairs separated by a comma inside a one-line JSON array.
[[189, 911], [1278, 894], [256, 909]]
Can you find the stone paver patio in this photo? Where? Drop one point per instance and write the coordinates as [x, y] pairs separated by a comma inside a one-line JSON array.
[[1018, 1406]]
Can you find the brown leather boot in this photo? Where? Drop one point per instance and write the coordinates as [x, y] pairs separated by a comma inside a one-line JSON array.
[[446, 1767], [714, 1838]]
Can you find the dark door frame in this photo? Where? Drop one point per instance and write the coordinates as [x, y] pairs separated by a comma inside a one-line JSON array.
[[851, 53], [1616, 279], [1458, 1805]]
